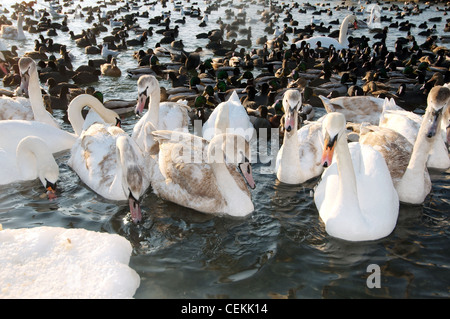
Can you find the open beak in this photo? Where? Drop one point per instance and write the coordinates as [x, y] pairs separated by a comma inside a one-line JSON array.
[[135, 209], [328, 150], [246, 170]]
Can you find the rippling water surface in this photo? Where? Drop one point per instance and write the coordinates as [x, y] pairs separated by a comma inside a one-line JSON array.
[[281, 250]]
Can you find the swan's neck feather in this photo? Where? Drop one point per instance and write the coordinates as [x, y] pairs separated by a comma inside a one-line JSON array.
[[289, 169], [238, 202], [343, 31], [37, 103], [153, 107]]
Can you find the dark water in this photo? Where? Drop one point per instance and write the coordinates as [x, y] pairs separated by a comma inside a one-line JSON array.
[[281, 250]]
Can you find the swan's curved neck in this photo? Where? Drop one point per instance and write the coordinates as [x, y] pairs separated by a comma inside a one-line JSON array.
[[289, 169], [347, 176], [33, 158], [19, 25], [238, 203], [36, 101], [76, 106], [343, 31], [422, 147], [153, 106]]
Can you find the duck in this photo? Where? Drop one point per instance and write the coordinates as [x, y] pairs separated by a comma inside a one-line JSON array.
[[14, 32], [209, 184], [110, 163], [22, 108], [85, 77], [357, 109], [111, 69], [355, 197], [298, 159], [326, 42], [37, 55], [59, 102], [229, 115], [160, 115], [31, 160]]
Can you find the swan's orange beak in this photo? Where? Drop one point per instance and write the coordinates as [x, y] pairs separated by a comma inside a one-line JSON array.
[[328, 150], [51, 193]]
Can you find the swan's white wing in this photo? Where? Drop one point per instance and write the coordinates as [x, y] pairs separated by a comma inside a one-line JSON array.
[[94, 159]]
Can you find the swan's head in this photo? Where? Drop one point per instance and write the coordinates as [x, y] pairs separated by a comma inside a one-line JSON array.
[[146, 85], [46, 167], [292, 101], [233, 149], [333, 127], [351, 18], [132, 175], [437, 103], [27, 66]]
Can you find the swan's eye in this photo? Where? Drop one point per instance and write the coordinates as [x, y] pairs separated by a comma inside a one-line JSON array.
[[144, 92]]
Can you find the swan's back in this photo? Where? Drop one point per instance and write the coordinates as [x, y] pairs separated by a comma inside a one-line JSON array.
[[13, 131], [238, 119], [15, 109], [93, 158]]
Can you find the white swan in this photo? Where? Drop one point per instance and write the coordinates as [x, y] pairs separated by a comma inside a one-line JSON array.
[[229, 116], [21, 108], [110, 162], [408, 124], [32, 159], [340, 44], [356, 198], [374, 21], [160, 116], [298, 159], [202, 175], [14, 32]]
